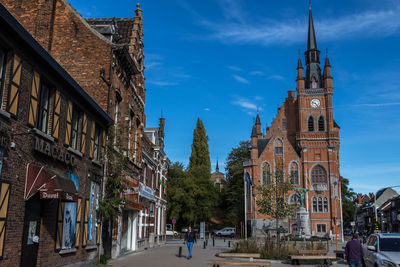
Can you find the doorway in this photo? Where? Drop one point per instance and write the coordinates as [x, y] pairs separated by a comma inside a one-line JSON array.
[[30, 238]]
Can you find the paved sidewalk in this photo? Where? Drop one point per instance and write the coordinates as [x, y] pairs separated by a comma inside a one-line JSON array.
[[167, 256]]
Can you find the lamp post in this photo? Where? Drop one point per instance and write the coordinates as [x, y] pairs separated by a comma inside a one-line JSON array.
[[376, 211]]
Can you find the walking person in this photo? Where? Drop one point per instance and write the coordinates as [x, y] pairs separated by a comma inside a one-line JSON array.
[[190, 238], [354, 252]]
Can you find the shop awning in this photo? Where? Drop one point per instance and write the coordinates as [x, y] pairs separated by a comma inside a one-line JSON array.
[[50, 185], [58, 188]]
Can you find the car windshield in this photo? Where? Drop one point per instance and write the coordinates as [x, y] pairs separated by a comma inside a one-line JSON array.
[[389, 244]]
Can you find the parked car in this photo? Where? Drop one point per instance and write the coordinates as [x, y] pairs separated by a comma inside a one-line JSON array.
[[382, 249], [169, 232], [184, 230], [227, 231]]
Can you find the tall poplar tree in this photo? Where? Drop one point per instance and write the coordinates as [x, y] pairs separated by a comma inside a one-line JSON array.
[[200, 171]]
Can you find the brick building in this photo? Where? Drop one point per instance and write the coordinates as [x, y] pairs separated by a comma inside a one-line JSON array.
[[105, 56], [52, 142], [218, 178], [302, 142]]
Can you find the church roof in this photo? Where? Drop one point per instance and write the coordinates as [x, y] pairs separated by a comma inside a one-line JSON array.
[[261, 144]]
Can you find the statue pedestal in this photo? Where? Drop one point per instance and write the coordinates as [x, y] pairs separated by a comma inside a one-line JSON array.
[[303, 223]]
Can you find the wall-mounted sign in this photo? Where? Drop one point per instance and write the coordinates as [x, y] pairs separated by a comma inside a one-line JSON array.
[[50, 150], [146, 192]]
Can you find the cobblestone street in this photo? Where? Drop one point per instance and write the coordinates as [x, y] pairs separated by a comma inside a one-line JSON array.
[[167, 256]]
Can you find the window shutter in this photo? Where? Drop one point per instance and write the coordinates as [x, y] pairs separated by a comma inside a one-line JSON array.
[[85, 223], [78, 222], [14, 87], [92, 139], [56, 114], [34, 99], [69, 124], [83, 133], [60, 220], [98, 230], [4, 197]]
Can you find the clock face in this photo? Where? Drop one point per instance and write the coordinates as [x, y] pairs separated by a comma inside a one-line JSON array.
[[315, 103]]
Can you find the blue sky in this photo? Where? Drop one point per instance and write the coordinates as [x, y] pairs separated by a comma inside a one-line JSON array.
[[219, 60]]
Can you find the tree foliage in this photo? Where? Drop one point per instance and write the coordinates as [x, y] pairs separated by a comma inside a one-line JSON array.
[[112, 202], [191, 195], [348, 195], [274, 200], [232, 195]]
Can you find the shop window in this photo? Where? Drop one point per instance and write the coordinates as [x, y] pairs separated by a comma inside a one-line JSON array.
[[93, 225], [321, 124], [321, 228], [311, 124], [13, 96], [266, 174], [294, 173], [2, 71], [4, 197], [318, 175], [66, 220]]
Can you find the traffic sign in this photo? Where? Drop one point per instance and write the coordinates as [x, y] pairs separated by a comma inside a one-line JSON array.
[[352, 223], [173, 221]]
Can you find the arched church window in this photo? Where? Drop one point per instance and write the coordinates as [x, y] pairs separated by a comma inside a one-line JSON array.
[[314, 204], [321, 124], [314, 83], [278, 147], [320, 204], [311, 124], [318, 175], [325, 204], [294, 173], [266, 174], [294, 199]]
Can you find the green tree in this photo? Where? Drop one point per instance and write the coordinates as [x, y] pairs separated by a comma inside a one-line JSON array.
[[348, 195], [274, 201], [200, 170], [232, 195], [181, 203]]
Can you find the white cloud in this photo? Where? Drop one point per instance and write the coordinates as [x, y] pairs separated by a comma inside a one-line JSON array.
[[240, 79], [206, 109], [276, 77], [256, 73], [269, 32], [235, 68], [249, 106]]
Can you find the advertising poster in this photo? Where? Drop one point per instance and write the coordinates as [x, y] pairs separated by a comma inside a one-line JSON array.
[[68, 235]]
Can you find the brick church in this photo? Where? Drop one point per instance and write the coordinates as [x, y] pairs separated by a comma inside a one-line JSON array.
[[302, 142]]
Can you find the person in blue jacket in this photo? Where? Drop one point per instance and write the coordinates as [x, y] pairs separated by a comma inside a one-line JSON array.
[[190, 238]]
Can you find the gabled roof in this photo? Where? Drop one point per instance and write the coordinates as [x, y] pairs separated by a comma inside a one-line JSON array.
[[124, 27], [262, 144]]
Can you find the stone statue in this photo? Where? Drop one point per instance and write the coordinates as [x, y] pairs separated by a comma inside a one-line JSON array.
[[302, 194]]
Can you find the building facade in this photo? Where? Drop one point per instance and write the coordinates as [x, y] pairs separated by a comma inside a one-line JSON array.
[[302, 144], [218, 178], [51, 157], [105, 56]]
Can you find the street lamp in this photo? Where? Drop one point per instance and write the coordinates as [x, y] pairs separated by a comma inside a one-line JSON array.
[[376, 212]]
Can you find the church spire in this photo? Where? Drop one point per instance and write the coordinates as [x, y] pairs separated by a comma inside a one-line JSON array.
[[312, 41], [313, 71], [217, 168]]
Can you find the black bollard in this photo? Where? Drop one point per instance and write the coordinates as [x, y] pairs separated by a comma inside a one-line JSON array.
[[204, 244], [213, 242], [229, 244], [224, 238], [180, 252]]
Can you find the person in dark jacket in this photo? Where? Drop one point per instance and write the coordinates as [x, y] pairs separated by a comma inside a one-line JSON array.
[[354, 252], [190, 238]]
